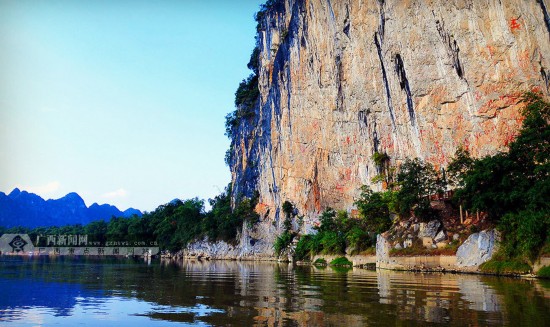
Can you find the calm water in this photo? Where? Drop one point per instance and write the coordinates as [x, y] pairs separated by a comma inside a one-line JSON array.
[[127, 292]]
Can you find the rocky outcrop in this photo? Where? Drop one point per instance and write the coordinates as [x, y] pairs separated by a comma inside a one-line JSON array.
[[252, 244], [383, 248], [477, 249], [340, 80]]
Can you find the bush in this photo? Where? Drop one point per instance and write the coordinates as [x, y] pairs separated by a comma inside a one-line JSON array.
[[303, 249], [374, 210], [417, 180], [282, 242], [524, 233], [320, 262], [544, 272], [359, 240], [332, 243], [341, 261]]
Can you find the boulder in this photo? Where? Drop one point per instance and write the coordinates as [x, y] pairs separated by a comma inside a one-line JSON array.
[[427, 242], [383, 248], [477, 249], [441, 236], [429, 229]]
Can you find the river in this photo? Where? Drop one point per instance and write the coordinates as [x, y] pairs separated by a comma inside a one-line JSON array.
[[88, 291]]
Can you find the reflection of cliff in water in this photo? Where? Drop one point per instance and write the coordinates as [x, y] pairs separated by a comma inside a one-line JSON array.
[[271, 294], [437, 297]]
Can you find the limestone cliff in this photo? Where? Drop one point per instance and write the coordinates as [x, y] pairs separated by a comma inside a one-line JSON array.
[[340, 80]]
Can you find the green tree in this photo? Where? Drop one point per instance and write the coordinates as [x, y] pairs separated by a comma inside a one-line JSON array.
[[459, 166], [514, 187], [517, 180], [417, 180], [117, 229], [374, 210], [97, 231]]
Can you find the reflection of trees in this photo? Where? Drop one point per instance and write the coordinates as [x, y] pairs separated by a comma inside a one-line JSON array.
[[271, 294], [524, 301]]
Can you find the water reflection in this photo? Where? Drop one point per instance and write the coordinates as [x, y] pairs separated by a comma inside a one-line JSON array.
[[110, 291]]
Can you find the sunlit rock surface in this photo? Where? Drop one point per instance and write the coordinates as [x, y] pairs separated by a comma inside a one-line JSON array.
[[340, 80]]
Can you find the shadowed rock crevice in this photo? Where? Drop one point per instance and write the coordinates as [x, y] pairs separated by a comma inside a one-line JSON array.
[[382, 23], [339, 74], [346, 23], [546, 16], [451, 46], [404, 83], [384, 77], [546, 78]]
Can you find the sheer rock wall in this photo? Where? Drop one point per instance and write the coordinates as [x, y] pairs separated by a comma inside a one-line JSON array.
[[342, 79]]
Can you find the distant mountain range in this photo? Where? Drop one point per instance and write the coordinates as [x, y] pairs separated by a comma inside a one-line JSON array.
[[21, 208]]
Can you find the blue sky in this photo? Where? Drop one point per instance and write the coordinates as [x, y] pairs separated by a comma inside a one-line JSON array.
[[120, 101]]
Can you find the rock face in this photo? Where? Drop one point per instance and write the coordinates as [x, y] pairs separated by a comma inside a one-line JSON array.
[[477, 249], [341, 80], [247, 247], [429, 229], [383, 248]]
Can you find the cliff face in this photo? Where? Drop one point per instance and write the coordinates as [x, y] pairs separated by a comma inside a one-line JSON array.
[[340, 80]]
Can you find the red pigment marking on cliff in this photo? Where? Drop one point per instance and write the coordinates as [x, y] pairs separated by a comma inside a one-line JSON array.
[[478, 96], [525, 61], [536, 89], [315, 125], [509, 139], [347, 174], [491, 50], [514, 25], [465, 144], [347, 140]]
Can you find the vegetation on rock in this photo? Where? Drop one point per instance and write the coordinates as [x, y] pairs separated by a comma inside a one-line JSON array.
[[336, 233]]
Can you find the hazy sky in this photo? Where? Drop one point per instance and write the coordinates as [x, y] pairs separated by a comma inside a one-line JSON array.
[[122, 102]]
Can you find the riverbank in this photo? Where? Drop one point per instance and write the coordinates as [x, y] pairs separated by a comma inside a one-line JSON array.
[[477, 248]]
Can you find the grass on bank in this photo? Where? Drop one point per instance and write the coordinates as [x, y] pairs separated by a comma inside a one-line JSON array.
[[505, 267]]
